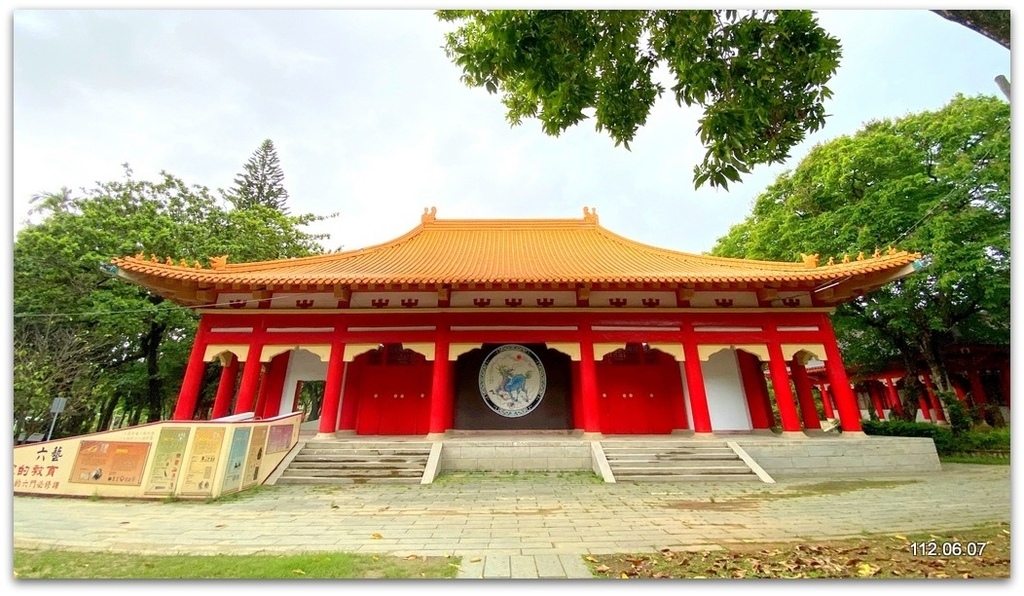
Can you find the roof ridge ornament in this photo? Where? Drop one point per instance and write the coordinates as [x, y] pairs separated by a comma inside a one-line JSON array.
[[429, 215], [590, 214]]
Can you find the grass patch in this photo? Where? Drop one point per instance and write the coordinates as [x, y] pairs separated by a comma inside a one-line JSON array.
[[876, 556], [974, 458], [64, 564]]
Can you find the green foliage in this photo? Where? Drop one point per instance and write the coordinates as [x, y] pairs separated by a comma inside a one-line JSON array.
[[759, 76], [261, 182], [960, 420], [106, 345], [937, 183], [947, 441]]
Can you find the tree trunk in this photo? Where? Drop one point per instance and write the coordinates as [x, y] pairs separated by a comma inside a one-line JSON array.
[[155, 383], [107, 414]]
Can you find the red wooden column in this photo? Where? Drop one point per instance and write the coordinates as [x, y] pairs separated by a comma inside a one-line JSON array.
[[936, 403], [826, 402], [695, 386], [780, 382], [680, 420], [876, 399], [959, 391], [332, 387], [588, 384], [225, 388], [351, 395], [846, 401], [893, 396], [754, 388], [977, 388], [442, 401], [251, 371], [185, 408], [805, 395], [1004, 376], [278, 369], [261, 393]]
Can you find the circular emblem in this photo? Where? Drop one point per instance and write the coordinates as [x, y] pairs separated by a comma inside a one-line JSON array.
[[512, 381]]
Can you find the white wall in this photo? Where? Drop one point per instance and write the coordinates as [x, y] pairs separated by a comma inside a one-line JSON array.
[[727, 402], [302, 366]]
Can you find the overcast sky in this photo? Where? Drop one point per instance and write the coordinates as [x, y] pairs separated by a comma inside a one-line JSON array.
[[371, 121]]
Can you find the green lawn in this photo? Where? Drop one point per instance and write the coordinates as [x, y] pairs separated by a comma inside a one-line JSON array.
[[64, 564]]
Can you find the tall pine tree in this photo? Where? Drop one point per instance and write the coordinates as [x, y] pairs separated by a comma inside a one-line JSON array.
[[261, 182]]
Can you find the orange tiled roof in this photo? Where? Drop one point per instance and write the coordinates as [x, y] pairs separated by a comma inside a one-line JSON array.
[[509, 251]]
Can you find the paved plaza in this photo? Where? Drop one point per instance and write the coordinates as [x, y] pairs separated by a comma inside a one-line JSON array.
[[525, 525]]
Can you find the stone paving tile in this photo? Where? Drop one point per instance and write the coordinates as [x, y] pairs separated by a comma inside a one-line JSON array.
[[522, 566], [497, 567], [528, 517]]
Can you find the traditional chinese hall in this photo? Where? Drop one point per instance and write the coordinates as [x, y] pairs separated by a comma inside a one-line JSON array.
[[532, 325]]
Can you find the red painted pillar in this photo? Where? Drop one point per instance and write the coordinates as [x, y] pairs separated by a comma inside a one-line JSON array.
[[893, 396], [783, 394], [1004, 376], [278, 370], [577, 395], [977, 388], [876, 398], [250, 379], [680, 420], [826, 402], [805, 395], [185, 408], [588, 385], [959, 391], [695, 388], [934, 399], [352, 396], [332, 387], [753, 385], [441, 399], [261, 393], [846, 401], [225, 388]]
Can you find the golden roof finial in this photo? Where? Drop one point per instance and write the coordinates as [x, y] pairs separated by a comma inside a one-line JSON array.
[[219, 262], [183, 262], [197, 265], [140, 256], [152, 258], [810, 261], [860, 256], [590, 214], [846, 258], [831, 260], [429, 215], [168, 261], [891, 250], [877, 254]]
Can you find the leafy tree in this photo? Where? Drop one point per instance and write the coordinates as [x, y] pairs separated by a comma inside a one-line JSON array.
[[261, 182], [993, 24], [936, 183], [105, 344], [758, 75]]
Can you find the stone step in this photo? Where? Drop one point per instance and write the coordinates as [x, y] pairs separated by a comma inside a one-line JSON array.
[[361, 451], [654, 457], [349, 459], [696, 463], [320, 480], [367, 465], [739, 469], [689, 478], [351, 472]]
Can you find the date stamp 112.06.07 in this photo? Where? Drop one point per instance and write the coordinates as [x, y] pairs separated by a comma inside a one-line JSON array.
[[934, 548]]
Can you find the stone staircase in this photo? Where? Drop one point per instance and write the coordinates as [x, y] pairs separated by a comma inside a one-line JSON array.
[[358, 462], [675, 461]]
